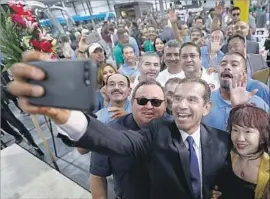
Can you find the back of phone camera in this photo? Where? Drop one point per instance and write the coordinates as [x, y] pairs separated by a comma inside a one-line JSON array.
[[68, 84]]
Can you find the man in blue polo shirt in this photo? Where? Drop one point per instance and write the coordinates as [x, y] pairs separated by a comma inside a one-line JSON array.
[[130, 67], [118, 89], [130, 177], [232, 77]]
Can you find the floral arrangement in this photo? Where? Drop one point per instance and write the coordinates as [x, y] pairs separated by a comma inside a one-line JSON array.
[[19, 32]]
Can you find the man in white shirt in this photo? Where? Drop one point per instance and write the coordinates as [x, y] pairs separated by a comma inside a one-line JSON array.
[[149, 68], [172, 61], [190, 62]]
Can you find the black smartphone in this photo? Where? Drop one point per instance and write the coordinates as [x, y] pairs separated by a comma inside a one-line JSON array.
[[68, 84]]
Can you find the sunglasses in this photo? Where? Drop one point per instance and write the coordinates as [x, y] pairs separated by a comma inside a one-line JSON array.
[[143, 101], [236, 14]]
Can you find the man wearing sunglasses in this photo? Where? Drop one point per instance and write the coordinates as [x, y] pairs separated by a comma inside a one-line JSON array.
[[130, 176], [235, 14]]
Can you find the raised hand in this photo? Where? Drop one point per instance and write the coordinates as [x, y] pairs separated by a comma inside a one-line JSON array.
[[238, 92], [82, 44], [215, 45], [21, 88], [172, 16], [117, 112]]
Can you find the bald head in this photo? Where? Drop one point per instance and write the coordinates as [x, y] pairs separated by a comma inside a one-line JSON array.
[[241, 28]]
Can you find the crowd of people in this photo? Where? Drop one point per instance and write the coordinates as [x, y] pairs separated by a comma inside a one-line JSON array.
[[182, 107]]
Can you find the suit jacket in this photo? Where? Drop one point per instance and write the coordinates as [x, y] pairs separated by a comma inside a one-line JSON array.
[[252, 47], [161, 147]]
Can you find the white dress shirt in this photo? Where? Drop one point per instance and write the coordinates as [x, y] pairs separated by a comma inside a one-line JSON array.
[[75, 127], [197, 146]]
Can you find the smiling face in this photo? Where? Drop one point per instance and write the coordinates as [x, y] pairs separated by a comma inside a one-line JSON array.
[[189, 106], [241, 28], [245, 140], [108, 70], [229, 30], [199, 23], [143, 114], [169, 92], [151, 33], [159, 45], [149, 68], [129, 55], [98, 55], [190, 60], [184, 30], [172, 56], [196, 35], [117, 88], [237, 45], [230, 65]]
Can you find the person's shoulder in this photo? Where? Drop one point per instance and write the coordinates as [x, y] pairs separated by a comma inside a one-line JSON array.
[[259, 102], [216, 133], [162, 73], [215, 94], [258, 84]]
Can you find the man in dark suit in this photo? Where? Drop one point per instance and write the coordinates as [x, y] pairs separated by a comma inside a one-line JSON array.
[[183, 157]]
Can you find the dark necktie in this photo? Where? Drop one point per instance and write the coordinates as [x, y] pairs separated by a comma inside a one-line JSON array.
[[194, 169]]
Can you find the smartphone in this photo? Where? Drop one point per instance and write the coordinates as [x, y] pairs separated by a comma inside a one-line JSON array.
[[68, 84], [92, 38]]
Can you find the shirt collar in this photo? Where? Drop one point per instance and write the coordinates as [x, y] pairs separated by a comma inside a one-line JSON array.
[[222, 103], [196, 136]]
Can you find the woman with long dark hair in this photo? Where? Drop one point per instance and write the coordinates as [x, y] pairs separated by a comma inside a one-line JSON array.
[[159, 49]]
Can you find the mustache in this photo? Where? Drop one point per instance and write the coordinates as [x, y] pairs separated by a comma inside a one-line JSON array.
[[225, 73], [116, 90]]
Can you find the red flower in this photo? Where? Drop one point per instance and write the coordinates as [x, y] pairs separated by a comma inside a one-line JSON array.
[[16, 18], [19, 8], [35, 44], [46, 46]]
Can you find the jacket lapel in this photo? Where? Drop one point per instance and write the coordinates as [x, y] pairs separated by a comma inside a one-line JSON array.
[[183, 155], [206, 155]]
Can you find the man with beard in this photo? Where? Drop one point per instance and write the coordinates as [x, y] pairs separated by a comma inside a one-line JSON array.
[[242, 28], [232, 74], [172, 61], [254, 63], [149, 68], [129, 68], [118, 89], [130, 177], [169, 88]]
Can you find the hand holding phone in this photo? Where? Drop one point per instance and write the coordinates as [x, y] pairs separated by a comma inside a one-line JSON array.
[[25, 74]]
